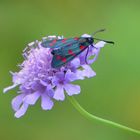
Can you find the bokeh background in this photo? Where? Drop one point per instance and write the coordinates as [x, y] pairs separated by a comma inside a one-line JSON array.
[[113, 94]]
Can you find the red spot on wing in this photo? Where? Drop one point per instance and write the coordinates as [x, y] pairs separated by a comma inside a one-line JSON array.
[[71, 52], [58, 57], [54, 41], [76, 38], [64, 59], [51, 44], [64, 40], [82, 47], [69, 45]]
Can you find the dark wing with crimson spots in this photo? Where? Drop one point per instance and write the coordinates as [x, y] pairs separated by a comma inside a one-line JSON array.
[[65, 55], [59, 43]]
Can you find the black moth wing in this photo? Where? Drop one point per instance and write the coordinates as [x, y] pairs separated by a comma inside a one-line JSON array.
[[59, 43], [65, 55]]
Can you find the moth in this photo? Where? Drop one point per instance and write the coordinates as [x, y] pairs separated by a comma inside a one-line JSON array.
[[66, 49]]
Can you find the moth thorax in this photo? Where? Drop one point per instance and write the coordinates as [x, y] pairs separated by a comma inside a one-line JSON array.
[[90, 40]]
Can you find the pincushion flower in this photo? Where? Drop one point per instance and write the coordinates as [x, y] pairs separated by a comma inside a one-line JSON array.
[[37, 79]]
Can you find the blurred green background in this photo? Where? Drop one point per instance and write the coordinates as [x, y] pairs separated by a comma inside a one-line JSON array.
[[113, 94]]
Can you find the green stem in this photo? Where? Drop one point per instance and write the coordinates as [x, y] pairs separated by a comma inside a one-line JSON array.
[[95, 118]]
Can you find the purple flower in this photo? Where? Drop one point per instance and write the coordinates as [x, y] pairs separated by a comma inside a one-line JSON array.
[[37, 79], [62, 81]]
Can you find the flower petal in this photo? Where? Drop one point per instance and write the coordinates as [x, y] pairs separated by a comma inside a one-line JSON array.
[[88, 72], [9, 88], [70, 76], [72, 89], [59, 93], [17, 101], [95, 53], [85, 35], [100, 44], [50, 92], [59, 76], [75, 62], [46, 102], [80, 75], [32, 98], [22, 110]]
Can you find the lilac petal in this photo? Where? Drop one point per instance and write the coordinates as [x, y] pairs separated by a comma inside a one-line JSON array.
[[59, 76], [96, 53], [59, 93], [90, 51], [72, 89], [51, 92], [35, 85], [88, 72], [17, 101], [80, 75], [17, 78], [100, 44], [75, 62], [46, 102], [70, 76], [43, 83], [85, 35], [9, 88], [32, 98], [82, 57], [22, 110]]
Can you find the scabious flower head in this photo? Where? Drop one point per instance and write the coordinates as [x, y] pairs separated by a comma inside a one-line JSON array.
[[37, 79]]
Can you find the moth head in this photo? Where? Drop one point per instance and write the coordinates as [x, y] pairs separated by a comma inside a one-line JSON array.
[[88, 38]]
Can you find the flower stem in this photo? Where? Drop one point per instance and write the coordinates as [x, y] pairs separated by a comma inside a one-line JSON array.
[[95, 118]]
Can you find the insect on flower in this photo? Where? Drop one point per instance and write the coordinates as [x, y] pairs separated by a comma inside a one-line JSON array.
[[64, 50], [49, 69]]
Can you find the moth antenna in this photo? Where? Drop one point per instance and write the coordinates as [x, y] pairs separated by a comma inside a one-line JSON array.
[[111, 42], [101, 30]]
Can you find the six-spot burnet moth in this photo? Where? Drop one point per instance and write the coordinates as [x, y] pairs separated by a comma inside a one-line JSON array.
[[66, 49]]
